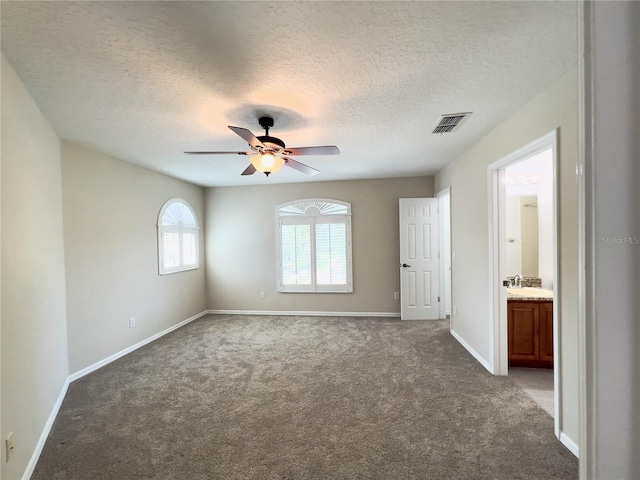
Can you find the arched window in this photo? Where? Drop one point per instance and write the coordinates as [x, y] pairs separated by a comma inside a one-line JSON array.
[[314, 246], [178, 245]]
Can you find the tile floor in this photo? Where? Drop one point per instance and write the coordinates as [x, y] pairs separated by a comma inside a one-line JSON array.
[[537, 383]]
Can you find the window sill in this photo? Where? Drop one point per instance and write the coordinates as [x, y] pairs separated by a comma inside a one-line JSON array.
[[169, 272], [319, 291]]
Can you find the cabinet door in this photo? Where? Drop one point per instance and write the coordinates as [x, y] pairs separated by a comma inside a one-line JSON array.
[[546, 332], [523, 318]]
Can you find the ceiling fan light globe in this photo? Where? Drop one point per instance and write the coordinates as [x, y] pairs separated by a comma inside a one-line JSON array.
[[266, 162]]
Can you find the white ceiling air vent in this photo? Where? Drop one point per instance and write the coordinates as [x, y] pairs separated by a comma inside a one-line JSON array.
[[450, 122]]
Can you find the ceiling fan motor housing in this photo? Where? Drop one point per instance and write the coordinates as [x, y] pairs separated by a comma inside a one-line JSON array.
[[272, 143]]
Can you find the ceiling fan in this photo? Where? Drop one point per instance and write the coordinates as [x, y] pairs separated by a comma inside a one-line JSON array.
[[269, 154]]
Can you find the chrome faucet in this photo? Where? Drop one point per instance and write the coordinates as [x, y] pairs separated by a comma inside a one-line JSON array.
[[517, 281]]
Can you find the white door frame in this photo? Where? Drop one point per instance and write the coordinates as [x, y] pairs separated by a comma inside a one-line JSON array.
[[444, 195], [497, 256]]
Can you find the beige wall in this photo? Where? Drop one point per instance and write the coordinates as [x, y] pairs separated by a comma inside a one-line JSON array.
[[34, 340], [556, 107], [612, 170], [110, 214], [241, 244]]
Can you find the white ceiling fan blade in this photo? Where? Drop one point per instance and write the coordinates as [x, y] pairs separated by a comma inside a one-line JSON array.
[[250, 170], [217, 153], [301, 167], [249, 137], [324, 150]]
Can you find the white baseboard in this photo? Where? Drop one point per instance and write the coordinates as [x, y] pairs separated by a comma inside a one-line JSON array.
[[423, 319], [142, 343], [56, 407], [31, 466], [475, 354], [304, 314], [570, 444]]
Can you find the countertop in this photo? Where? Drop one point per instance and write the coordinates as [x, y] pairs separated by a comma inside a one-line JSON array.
[[529, 294]]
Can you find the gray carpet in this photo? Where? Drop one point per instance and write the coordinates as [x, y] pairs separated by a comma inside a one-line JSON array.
[[257, 397]]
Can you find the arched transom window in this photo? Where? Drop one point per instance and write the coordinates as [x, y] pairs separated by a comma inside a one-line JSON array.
[[178, 245], [314, 245]]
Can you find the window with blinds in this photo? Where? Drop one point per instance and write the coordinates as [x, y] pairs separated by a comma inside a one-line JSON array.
[[314, 244], [177, 237]]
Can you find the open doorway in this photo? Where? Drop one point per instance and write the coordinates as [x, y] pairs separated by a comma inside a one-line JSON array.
[[529, 269], [523, 243]]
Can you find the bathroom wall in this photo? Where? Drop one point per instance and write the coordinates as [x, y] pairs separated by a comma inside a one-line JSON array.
[[529, 235], [534, 176], [513, 231]]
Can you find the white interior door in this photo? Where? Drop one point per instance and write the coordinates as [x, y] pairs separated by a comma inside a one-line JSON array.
[[419, 265]]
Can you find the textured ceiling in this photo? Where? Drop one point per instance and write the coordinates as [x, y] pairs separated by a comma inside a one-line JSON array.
[[145, 81]]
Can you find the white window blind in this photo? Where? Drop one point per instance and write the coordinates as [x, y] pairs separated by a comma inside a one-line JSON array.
[[331, 254], [177, 237], [315, 246], [189, 248], [171, 244], [296, 254]]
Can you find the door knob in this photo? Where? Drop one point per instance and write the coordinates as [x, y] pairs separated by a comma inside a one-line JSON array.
[[404, 265]]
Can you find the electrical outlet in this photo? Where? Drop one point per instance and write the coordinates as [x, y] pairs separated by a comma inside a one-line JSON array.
[[396, 296], [455, 310], [9, 444], [132, 322], [263, 295]]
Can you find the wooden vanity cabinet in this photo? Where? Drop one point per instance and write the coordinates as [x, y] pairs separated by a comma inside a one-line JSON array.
[[530, 329], [546, 332]]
